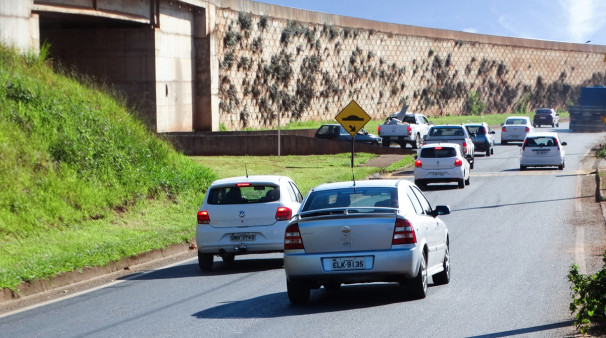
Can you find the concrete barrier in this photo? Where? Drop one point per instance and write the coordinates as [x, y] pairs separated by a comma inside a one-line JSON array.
[[265, 143]]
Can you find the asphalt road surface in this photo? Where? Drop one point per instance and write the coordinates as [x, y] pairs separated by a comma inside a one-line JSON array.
[[514, 236]]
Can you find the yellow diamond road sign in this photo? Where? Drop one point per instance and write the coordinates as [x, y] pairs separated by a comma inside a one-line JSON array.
[[352, 118]]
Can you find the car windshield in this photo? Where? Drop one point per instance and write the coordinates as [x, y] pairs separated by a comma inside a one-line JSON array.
[[438, 152], [351, 198], [446, 131], [254, 193], [515, 121], [478, 130], [545, 141]]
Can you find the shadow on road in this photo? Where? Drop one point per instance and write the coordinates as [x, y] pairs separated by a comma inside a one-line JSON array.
[[527, 330], [240, 265], [521, 203], [347, 297]]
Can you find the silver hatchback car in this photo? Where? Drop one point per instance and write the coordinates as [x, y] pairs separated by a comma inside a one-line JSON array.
[[242, 215], [366, 231]]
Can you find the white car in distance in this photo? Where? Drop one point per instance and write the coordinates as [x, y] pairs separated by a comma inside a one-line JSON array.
[[243, 215], [515, 129], [441, 163], [542, 150]]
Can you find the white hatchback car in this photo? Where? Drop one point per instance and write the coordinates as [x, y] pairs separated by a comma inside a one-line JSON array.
[[542, 150], [242, 215], [441, 163], [515, 129]]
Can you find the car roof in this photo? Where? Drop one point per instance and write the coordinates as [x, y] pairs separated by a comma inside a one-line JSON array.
[[445, 144], [476, 124], [272, 179], [361, 184], [542, 134], [518, 117]]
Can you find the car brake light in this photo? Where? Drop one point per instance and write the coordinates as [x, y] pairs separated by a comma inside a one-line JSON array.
[[438, 148], [557, 144], [203, 217], [379, 129], [465, 147], [418, 163], [403, 233], [527, 129], [243, 185], [283, 214], [409, 130], [503, 129], [458, 163], [525, 144], [292, 238]]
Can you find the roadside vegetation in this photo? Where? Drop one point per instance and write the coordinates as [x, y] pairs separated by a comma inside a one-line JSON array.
[[589, 300]]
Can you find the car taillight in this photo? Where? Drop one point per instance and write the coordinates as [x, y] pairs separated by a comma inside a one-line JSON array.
[[557, 144], [379, 129], [503, 129], [527, 129], [283, 214], [465, 147], [458, 163], [409, 130], [418, 163], [403, 233], [292, 237], [203, 217], [524, 145]]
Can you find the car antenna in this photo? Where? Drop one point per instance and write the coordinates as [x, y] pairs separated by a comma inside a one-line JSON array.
[[246, 170]]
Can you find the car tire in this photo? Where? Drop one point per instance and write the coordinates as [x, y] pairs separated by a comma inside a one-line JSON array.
[[298, 292], [386, 143], [473, 161], [504, 143], [417, 287], [558, 125], [443, 277], [561, 166], [205, 261], [487, 152], [522, 167], [461, 183], [467, 181], [491, 151], [420, 184], [552, 125], [228, 258], [418, 143]]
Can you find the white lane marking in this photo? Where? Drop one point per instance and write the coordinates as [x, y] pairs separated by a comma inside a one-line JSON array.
[[579, 250]]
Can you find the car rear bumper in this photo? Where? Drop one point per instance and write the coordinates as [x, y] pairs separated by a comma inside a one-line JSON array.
[[439, 175], [551, 161], [387, 265], [215, 240]]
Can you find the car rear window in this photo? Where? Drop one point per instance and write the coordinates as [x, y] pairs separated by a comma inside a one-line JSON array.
[[478, 130], [326, 131], [438, 152], [515, 121], [545, 141], [543, 111], [255, 193], [352, 198], [446, 131]]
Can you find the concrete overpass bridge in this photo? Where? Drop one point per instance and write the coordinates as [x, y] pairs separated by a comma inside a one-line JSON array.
[[156, 51]]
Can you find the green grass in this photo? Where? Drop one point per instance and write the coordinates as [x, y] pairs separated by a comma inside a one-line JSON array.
[[83, 182]]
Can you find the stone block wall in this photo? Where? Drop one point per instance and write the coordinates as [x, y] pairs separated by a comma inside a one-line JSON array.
[[272, 65]]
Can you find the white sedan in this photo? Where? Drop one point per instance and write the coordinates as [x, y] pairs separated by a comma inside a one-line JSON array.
[[242, 215], [542, 150], [441, 163], [515, 129]]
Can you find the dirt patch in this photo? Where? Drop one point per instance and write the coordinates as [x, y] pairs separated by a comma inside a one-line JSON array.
[[383, 160]]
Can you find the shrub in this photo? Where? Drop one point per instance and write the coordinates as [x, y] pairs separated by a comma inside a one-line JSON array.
[[589, 297], [474, 104]]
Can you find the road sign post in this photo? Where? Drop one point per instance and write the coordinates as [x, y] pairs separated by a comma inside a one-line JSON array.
[[352, 118]]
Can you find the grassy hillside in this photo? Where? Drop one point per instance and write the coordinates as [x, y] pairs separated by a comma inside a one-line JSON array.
[[82, 181]]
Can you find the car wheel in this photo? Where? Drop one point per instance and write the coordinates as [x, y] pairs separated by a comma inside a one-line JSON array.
[[443, 277], [558, 124], [471, 164], [504, 143], [417, 287], [467, 180], [522, 167], [491, 151], [205, 261], [552, 124], [561, 166], [385, 143], [228, 258], [418, 143], [461, 184], [488, 152], [298, 292], [420, 184]]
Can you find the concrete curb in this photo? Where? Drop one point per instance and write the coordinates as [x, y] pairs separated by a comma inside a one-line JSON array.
[[78, 280]]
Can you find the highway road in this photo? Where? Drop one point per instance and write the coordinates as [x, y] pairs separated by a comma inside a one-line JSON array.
[[514, 236]]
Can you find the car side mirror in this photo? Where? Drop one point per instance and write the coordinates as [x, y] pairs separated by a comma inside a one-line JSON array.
[[564, 143], [441, 210], [492, 132]]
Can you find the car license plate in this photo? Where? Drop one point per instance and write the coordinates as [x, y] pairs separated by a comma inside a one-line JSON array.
[[348, 263], [541, 152], [243, 236], [543, 117], [436, 173]]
